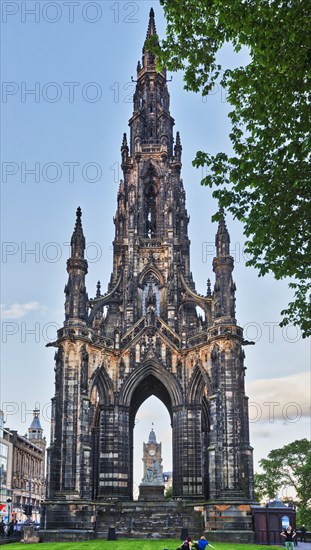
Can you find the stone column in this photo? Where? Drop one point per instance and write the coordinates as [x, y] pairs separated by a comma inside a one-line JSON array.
[[187, 453], [114, 458]]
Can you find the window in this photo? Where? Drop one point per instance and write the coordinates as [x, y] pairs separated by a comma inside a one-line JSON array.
[[150, 198], [151, 287]]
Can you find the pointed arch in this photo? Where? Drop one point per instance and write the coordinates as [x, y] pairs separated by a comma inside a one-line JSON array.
[[199, 382], [150, 378], [95, 416], [104, 385], [151, 163], [150, 269]]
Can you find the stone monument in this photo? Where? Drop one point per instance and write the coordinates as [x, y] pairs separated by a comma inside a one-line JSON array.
[[150, 333], [152, 484]]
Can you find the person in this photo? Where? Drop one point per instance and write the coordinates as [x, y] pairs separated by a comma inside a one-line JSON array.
[[186, 545], [303, 532], [201, 543], [289, 535], [11, 529], [2, 528]]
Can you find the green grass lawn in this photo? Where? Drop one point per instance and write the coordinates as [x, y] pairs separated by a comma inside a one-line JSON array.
[[131, 544]]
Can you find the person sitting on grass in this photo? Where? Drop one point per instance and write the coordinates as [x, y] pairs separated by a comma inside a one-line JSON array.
[[201, 544], [186, 545]]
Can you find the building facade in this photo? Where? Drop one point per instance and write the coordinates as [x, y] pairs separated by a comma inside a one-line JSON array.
[[151, 333], [28, 470], [6, 460]]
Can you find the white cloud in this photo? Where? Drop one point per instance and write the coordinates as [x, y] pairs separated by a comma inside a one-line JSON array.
[[286, 398], [16, 311]]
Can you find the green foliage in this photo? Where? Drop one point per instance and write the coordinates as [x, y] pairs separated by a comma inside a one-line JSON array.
[[169, 494], [265, 182], [289, 466]]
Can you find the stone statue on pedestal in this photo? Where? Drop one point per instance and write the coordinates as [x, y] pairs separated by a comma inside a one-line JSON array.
[[153, 474]]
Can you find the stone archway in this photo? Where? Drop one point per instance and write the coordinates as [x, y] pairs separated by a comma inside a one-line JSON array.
[[150, 395], [150, 378], [189, 420], [113, 433]]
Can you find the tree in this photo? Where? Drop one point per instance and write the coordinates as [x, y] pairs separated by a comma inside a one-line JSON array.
[[169, 493], [289, 466], [264, 183]]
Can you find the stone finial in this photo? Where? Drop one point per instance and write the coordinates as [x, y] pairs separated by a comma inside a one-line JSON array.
[[98, 290], [222, 240], [124, 140], [209, 292], [77, 240], [124, 149], [178, 147], [151, 25]]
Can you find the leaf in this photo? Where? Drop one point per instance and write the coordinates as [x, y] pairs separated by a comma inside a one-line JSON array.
[[265, 184]]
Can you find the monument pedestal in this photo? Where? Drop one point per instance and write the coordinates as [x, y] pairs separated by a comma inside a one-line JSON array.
[[229, 521], [152, 493]]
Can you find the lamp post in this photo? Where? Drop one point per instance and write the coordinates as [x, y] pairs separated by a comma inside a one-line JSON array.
[[30, 497], [9, 504]]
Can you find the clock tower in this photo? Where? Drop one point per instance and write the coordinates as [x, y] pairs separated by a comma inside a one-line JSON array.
[[152, 484], [152, 452]]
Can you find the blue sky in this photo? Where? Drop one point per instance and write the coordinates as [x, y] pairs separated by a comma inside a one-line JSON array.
[[60, 148]]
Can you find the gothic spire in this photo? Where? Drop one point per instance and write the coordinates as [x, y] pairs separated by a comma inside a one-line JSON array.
[[124, 141], [151, 31], [222, 240], [209, 292], [224, 290], [75, 291], [124, 151], [178, 147], [98, 290], [77, 240]]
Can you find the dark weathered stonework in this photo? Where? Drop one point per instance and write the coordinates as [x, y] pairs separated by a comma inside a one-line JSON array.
[[144, 337]]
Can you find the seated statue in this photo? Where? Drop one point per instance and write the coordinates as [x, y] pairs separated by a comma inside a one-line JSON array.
[[148, 476], [153, 474]]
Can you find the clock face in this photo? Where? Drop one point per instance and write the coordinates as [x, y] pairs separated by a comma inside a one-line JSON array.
[[152, 452]]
